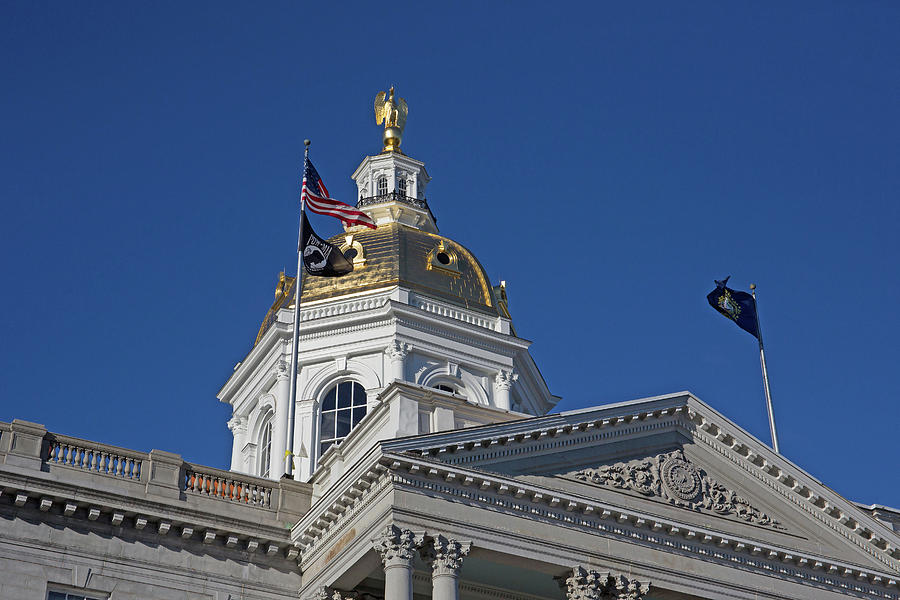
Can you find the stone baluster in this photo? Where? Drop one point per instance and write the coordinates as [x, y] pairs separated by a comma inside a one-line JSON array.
[[446, 558], [397, 352], [280, 425], [503, 382], [397, 548]]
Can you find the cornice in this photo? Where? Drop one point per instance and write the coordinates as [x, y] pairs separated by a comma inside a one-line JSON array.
[[502, 494], [94, 508], [699, 422]]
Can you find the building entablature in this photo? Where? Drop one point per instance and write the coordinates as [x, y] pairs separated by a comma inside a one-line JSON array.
[[156, 492], [575, 523], [704, 426]]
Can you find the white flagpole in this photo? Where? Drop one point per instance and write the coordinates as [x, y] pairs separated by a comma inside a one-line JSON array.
[[765, 374], [295, 343]]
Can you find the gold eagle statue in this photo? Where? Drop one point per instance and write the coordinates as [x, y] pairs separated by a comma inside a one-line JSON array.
[[392, 112]]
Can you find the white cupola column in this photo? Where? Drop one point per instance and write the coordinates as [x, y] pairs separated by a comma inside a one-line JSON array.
[[238, 427], [398, 352], [397, 548], [503, 382], [279, 431]]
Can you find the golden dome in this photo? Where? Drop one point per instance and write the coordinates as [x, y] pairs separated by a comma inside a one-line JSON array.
[[398, 255]]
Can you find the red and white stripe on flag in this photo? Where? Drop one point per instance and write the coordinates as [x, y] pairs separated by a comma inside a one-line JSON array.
[[330, 207]]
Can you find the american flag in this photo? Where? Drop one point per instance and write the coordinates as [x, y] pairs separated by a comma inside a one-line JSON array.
[[315, 195]]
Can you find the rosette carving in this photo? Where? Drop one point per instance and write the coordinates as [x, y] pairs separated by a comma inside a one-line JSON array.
[[674, 478]]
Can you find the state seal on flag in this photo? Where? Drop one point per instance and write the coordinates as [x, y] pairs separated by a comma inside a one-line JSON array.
[[729, 306]]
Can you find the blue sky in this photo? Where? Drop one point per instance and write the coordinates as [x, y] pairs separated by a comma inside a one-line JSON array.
[[607, 160]]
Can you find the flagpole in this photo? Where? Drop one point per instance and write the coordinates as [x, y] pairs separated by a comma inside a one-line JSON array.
[[295, 340], [765, 374]]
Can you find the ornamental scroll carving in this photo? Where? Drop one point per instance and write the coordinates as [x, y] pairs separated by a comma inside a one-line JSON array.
[[672, 477]]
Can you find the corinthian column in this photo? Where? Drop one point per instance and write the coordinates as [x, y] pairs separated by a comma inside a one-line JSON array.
[[585, 584], [397, 352], [446, 558], [280, 424], [623, 588], [397, 548], [503, 381]]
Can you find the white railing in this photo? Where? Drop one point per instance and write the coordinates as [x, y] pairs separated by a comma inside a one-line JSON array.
[[459, 315], [95, 458], [225, 486]]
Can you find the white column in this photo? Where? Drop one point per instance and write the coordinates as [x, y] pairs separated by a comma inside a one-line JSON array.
[[446, 558], [397, 352], [397, 548], [238, 427], [503, 381], [280, 426]]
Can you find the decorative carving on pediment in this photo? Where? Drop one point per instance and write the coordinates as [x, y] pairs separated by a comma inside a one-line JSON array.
[[674, 478]]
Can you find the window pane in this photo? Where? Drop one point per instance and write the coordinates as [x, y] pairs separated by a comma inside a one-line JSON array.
[[343, 423], [359, 395], [56, 596], [344, 392], [328, 402], [325, 446], [358, 413], [328, 419]]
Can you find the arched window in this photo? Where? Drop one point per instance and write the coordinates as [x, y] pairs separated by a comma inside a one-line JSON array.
[[382, 185], [402, 186], [343, 407], [265, 448], [445, 388]]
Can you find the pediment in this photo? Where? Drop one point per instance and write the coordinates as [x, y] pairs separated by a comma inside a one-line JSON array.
[[675, 459], [672, 478]]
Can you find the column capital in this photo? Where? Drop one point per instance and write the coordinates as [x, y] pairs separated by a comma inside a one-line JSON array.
[[588, 584], [396, 546], [623, 588], [585, 584], [398, 350], [237, 424], [505, 379], [283, 369], [445, 555]]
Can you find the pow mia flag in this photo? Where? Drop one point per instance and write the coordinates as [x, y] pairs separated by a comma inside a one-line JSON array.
[[320, 257]]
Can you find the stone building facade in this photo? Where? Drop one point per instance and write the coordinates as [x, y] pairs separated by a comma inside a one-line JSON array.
[[426, 463]]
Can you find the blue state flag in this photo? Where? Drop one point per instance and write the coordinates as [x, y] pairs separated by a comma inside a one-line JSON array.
[[740, 307]]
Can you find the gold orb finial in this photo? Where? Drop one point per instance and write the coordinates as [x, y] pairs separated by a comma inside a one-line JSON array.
[[392, 112]]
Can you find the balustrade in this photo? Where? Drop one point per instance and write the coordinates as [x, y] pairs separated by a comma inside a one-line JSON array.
[[223, 487], [95, 458]]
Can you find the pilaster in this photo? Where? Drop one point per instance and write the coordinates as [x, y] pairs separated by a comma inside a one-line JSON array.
[[282, 410]]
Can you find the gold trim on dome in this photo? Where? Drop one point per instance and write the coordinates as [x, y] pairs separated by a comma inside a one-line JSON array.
[[479, 271]]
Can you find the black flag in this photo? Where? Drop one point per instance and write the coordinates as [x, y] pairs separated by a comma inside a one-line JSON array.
[[320, 257], [740, 307]]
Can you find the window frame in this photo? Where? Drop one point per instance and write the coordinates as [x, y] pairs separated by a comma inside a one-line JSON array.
[[353, 408], [264, 446]]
